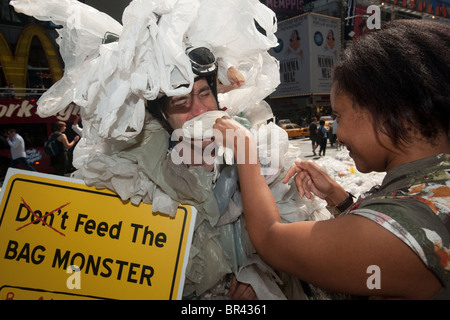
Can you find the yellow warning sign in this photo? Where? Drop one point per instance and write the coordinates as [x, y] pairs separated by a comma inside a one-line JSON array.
[[60, 239]]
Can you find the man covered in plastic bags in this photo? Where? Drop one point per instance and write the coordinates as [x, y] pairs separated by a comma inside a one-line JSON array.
[[168, 57], [223, 243]]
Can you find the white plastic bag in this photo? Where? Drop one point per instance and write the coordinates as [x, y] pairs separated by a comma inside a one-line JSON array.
[[112, 81]]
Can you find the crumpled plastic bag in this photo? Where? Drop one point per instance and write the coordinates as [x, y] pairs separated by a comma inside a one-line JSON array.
[[225, 187], [201, 127], [229, 28], [272, 144], [207, 262]]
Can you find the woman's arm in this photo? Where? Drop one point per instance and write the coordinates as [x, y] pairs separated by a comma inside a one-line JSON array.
[[333, 254], [63, 139]]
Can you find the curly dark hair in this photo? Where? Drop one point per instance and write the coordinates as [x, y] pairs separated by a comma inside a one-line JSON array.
[[401, 75]]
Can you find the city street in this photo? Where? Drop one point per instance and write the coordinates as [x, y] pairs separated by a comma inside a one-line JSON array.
[[305, 146], [340, 167]]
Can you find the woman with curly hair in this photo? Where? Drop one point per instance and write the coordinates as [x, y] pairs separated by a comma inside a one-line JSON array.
[[391, 96]]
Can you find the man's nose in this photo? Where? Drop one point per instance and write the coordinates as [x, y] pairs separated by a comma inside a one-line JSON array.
[[198, 107]]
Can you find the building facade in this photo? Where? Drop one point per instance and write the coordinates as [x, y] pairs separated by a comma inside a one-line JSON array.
[[300, 107]]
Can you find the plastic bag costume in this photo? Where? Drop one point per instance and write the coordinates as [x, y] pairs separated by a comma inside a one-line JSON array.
[[125, 150]]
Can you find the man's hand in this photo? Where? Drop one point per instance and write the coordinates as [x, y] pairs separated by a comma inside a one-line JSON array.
[[236, 80], [241, 291]]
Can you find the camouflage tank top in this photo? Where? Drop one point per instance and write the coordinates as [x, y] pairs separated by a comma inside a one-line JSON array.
[[413, 202]]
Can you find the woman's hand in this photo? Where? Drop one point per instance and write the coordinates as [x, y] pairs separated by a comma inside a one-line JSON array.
[[312, 179], [231, 134]]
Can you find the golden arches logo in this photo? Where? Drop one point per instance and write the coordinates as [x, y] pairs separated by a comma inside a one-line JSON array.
[[15, 66]]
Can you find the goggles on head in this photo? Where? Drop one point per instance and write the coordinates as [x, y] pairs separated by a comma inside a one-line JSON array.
[[202, 60], [204, 65]]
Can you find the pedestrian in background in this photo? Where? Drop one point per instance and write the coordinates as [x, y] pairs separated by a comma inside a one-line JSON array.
[[322, 134], [333, 134], [76, 127], [11, 94], [61, 160], [18, 154], [313, 135]]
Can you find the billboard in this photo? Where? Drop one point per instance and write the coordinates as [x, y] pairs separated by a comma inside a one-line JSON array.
[[308, 48], [292, 7]]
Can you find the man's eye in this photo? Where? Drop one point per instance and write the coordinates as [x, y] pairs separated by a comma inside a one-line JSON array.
[[181, 103], [204, 94]]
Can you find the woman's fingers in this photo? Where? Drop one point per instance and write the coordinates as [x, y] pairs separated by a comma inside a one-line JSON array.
[[293, 170], [309, 178], [304, 184]]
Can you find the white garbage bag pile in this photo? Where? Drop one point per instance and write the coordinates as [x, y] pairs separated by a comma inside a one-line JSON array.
[[342, 168]]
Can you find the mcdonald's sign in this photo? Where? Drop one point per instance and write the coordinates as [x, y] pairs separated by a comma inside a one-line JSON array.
[[15, 65]]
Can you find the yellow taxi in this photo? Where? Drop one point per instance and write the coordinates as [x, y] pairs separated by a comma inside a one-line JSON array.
[[294, 130], [328, 120]]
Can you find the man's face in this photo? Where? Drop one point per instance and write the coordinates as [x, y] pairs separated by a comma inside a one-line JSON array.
[[183, 108]]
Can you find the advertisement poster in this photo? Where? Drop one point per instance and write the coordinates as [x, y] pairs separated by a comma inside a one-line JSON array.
[[293, 54], [325, 51], [308, 48], [293, 7], [60, 239]]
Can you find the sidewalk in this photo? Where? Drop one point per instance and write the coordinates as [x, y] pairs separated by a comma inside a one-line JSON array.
[[340, 167], [306, 147]]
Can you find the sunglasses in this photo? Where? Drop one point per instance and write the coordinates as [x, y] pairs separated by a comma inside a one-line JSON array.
[[202, 60]]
